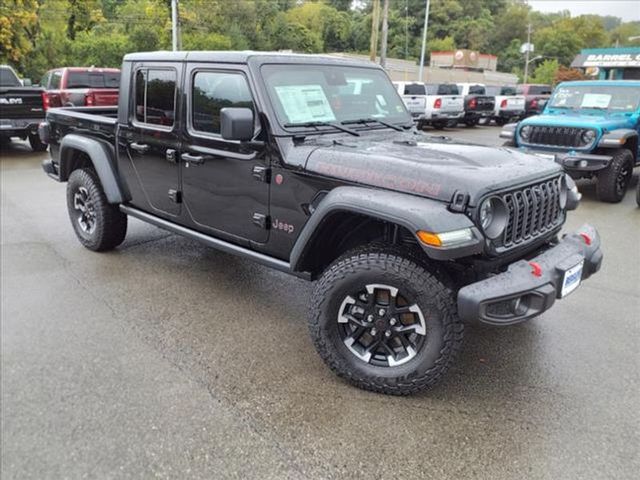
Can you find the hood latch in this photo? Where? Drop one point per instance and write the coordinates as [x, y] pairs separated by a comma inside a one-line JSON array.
[[459, 201]]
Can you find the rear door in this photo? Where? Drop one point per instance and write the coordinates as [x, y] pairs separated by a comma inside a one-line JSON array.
[[225, 185], [151, 137]]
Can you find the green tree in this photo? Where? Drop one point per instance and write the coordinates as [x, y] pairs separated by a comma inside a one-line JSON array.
[[546, 72]]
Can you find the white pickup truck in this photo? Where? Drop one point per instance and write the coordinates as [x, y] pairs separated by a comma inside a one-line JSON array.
[[435, 104], [509, 107]]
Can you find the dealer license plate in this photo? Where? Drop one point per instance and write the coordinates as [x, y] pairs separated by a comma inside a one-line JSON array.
[[571, 280]]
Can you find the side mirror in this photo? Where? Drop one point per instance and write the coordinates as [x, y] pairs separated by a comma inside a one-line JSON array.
[[26, 82], [236, 124]]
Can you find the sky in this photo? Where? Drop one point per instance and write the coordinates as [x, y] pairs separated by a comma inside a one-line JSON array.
[[627, 10]]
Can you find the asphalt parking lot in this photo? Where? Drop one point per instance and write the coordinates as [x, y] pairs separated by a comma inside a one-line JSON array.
[[165, 359]]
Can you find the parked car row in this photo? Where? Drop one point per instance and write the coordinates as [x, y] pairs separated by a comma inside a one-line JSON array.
[[446, 104], [23, 105]]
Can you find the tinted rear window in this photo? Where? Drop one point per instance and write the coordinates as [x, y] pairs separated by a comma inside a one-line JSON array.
[[447, 89], [93, 80], [539, 90], [507, 91], [414, 89], [8, 79], [476, 90]]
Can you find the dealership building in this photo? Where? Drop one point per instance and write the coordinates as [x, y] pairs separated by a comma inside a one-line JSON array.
[[610, 63]]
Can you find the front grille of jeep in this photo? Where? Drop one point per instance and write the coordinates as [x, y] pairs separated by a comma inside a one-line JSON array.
[[533, 211], [568, 137]]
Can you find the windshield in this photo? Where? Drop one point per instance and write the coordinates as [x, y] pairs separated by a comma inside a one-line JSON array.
[[599, 97], [8, 78], [307, 93], [93, 80]]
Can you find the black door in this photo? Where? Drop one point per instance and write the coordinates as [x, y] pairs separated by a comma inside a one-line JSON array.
[[152, 139], [223, 187]]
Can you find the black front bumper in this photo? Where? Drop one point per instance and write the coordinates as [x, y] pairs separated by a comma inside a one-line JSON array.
[[530, 287]]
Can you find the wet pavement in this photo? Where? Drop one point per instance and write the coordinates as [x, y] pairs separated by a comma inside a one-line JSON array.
[[166, 359]]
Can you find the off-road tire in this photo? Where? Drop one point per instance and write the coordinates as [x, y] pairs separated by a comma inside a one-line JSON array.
[[36, 144], [110, 223], [397, 268], [613, 181]]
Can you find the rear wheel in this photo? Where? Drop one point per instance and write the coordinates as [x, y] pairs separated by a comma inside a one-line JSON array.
[[439, 125], [501, 121], [471, 123], [36, 144], [98, 224], [384, 322], [612, 182]]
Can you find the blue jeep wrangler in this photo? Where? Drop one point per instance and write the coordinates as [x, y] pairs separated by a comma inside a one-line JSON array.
[[589, 127]]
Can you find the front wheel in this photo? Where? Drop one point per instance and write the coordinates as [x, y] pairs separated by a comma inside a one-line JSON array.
[[99, 225], [385, 323], [613, 181]]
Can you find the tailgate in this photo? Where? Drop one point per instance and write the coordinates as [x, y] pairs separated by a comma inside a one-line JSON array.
[[515, 103], [485, 103], [105, 97], [415, 103], [21, 103], [452, 103]]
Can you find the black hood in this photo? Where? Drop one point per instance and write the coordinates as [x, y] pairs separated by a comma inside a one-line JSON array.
[[433, 167]]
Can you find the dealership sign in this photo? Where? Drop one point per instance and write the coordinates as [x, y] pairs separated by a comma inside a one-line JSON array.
[[607, 60]]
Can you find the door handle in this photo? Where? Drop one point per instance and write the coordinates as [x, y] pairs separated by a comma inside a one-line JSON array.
[[196, 159], [139, 147]]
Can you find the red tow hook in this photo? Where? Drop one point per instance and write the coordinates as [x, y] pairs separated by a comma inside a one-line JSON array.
[[586, 238], [536, 269]]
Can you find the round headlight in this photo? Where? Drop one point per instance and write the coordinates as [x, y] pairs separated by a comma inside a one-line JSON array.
[[493, 217], [486, 214], [525, 132], [588, 136]]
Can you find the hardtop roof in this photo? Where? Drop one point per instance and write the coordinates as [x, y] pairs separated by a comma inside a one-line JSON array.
[[242, 57]]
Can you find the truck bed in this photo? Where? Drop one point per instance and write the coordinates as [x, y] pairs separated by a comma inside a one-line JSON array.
[[94, 121]]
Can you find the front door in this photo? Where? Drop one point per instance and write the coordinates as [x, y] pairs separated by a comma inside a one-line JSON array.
[[151, 138], [225, 185]]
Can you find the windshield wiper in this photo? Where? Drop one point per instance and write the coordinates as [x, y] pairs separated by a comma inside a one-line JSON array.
[[323, 124], [373, 120]]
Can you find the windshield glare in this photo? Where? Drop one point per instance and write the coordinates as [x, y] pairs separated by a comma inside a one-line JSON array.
[[306, 93], [599, 97]]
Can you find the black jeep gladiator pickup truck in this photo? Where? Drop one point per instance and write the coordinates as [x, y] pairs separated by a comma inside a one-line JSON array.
[[311, 165]]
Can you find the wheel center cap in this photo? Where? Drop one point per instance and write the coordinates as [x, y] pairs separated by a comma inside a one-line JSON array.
[[381, 324]]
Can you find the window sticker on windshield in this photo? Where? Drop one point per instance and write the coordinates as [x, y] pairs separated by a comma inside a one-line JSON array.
[[595, 100], [305, 103]]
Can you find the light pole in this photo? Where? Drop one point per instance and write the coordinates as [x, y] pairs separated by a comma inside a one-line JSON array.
[[175, 43], [424, 40], [526, 55]]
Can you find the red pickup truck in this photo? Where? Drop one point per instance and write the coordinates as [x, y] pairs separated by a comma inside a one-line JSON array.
[[81, 86]]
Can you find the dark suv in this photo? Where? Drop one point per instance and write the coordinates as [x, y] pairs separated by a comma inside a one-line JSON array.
[[311, 165]]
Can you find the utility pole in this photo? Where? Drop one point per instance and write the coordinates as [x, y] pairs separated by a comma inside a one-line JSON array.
[[175, 28], [526, 54], [424, 40], [375, 22], [385, 33]]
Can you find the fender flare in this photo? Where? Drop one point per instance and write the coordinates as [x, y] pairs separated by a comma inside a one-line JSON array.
[[617, 138], [409, 211], [102, 157]]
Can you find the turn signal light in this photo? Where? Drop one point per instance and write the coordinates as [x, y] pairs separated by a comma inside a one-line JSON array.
[[429, 238], [446, 239], [503, 103], [437, 103]]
